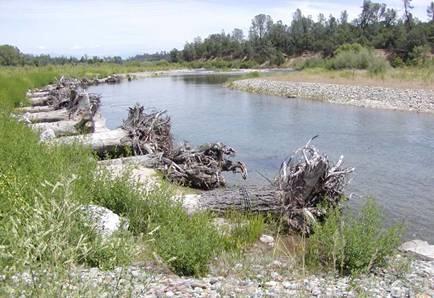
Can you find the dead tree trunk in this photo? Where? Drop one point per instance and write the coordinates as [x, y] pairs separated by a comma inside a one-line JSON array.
[[307, 184], [36, 109], [60, 128], [52, 116], [102, 142]]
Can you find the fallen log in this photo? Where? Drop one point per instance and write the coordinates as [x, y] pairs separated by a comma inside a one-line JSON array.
[[35, 109], [51, 116], [60, 128], [38, 93], [148, 133], [147, 161], [201, 167], [39, 101], [102, 142], [307, 185]]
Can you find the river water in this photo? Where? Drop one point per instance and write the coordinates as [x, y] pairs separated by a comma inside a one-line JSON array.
[[393, 152]]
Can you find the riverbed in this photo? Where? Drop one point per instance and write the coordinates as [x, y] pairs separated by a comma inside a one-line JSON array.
[[392, 151]]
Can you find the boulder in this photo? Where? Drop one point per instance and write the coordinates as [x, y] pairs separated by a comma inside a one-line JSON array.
[[421, 249], [104, 220], [47, 135]]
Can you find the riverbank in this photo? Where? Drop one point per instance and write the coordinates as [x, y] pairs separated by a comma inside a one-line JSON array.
[[167, 236], [419, 100], [260, 273]]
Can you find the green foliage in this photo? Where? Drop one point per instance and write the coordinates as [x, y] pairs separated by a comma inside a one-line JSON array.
[[10, 55], [420, 55], [378, 66], [186, 243], [352, 243], [244, 230], [352, 56]]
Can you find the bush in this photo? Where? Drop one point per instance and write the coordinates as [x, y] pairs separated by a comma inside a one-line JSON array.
[[245, 230], [359, 59], [378, 66], [352, 243]]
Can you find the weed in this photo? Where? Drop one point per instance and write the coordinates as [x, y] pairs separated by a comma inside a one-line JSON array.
[[352, 243]]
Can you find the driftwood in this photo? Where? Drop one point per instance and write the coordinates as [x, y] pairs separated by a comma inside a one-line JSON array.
[[50, 116], [150, 133], [307, 184], [147, 133], [35, 109], [101, 142], [64, 102], [201, 167], [60, 128]]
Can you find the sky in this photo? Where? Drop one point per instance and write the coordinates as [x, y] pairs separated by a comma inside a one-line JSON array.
[[130, 27]]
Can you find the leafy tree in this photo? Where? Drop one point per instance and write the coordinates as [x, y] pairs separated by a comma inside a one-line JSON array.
[[430, 11], [10, 55], [408, 16]]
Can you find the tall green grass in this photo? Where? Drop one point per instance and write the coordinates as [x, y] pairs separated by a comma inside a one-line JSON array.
[[352, 243]]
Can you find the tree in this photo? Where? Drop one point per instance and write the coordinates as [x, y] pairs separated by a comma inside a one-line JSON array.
[[261, 24], [10, 55], [430, 11], [344, 17], [238, 35], [408, 16], [174, 55]]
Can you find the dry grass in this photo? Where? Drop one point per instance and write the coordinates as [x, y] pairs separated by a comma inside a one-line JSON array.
[[404, 78]]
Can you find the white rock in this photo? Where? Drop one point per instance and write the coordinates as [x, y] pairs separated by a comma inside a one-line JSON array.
[[420, 248], [271, 284], [104, 220], [26, 118], [47, 135], [267, 239]]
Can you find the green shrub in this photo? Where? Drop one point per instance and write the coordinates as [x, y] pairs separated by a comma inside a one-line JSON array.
[[378, 67], [245, 230], [352, 243], [186, 243]]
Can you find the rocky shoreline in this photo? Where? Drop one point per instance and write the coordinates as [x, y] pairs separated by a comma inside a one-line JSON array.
[[418, 100], [402, 278]]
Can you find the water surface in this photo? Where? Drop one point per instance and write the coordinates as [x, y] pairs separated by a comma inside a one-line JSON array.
[[393, 152]]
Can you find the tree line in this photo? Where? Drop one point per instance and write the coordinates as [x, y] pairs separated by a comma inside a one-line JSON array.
[[377, 26]]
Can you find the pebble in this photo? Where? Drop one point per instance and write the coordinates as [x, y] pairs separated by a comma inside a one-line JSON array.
[[419, 100], [143, 282]]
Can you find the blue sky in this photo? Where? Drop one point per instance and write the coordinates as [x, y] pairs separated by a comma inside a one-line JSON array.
[[128, 27]]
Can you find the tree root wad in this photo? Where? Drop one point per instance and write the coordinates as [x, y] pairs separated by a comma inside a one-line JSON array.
[[202, 167]]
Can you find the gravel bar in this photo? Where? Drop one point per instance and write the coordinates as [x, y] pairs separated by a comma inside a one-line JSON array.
[[419, 100]]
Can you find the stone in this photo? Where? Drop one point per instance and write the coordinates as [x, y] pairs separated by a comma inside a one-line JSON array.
[[289, 285], [398, 290], [267, 239], [47, 135], [421, 249], [104, 220], [271, 284]]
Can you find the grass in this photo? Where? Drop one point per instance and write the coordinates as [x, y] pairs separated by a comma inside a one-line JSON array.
[[352, 243], [405, 77], [354, 64]]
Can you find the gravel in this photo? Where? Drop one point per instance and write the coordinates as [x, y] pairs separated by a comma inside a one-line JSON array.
[[419, 100], [141, 281]]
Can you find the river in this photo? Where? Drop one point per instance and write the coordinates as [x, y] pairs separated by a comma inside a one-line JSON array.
[[393, 152]]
